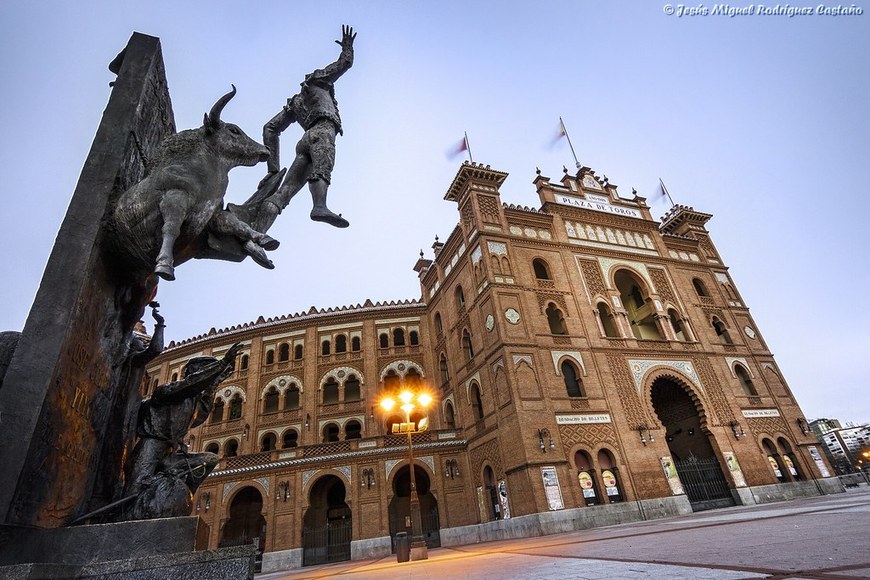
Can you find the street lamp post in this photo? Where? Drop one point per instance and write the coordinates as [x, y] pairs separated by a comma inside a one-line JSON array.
[[411, 401]]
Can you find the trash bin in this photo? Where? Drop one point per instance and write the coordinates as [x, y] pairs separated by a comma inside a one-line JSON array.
[[403, 547]]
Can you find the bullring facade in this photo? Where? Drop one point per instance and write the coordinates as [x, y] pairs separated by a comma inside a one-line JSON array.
[[589, 363]]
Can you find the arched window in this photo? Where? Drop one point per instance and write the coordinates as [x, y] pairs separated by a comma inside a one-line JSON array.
[[476, 402], [291, 439], [297, 352], [439, 327], [340, 343], [384, 340], [270, 357], [442, 366], [235, 407], [573, 383], [351, 389], [291, 397], [173, 378], [789, 459], [330, 391], [392, 381], [638, 306], [721, 331], [555, 320], [270, 401], [413, 338], [217, 412], [243, 363], [213, 448], [606, 318], [700, 288], [352, 430], [460, 298], [325, 347], [541, 270], [283, 352], [774, 459], [466, 344], [449, 416], [268, 442], [330, 433], [610, 476], [355, 344], [677, 325], [231, 448], [586, 477], [745, 381], [398, 337]]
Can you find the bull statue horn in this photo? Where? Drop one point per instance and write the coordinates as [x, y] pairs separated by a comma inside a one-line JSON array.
[[213, 118]]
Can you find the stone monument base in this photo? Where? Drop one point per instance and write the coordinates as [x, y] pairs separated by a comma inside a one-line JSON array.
[[167, 548]]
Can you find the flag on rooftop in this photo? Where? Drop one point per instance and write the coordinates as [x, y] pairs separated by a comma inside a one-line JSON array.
[[457, 149]]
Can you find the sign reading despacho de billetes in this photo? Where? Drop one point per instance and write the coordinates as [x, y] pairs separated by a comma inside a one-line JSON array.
[[582, 419], [757, 413]]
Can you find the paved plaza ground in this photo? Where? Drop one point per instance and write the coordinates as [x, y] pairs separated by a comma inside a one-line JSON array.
[[816, 538]]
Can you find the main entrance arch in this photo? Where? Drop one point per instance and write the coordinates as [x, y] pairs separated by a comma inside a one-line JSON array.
[[400, 510], [697, 465], [326, 526]]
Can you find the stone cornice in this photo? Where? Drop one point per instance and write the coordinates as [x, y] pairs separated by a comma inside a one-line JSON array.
[[319, 459]]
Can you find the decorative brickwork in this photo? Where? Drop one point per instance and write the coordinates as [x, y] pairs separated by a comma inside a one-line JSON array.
[[662, 286], [488, 452], [767, 425], [635, 411], [716, 311], [545, 297], [488, 209], [592, 274], [589, 436], [467, 216], [707, 247], [715, 394], [579, 403]]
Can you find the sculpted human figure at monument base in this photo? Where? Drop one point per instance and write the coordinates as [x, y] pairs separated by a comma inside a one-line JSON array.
[[162, 474], [166, 217], [316, 111]]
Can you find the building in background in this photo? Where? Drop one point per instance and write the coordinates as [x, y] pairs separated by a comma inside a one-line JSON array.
[[590, 365], [845, 447]]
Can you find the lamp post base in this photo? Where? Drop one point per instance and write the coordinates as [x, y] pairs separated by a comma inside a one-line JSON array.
[[419, 551]]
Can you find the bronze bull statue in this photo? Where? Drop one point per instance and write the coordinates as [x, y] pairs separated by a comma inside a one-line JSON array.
[[168, 217]]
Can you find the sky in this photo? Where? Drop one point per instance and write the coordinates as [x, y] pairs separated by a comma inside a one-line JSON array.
[[759, 119]]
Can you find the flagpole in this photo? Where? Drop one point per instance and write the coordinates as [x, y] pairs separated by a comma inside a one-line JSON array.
[[468, 146], [667, 193], [571, 145]]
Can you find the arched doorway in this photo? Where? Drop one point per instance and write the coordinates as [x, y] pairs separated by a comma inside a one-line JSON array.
[[493, 510], [696, 462], [246, 523], [400, 507], [326, 526]]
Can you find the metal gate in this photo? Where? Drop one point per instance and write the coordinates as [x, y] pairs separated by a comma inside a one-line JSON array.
[[704, 483], [429, 522], [326, 544], [431, 527]]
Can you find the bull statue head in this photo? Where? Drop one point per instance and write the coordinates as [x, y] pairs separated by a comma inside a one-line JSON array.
[[239, 146]]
